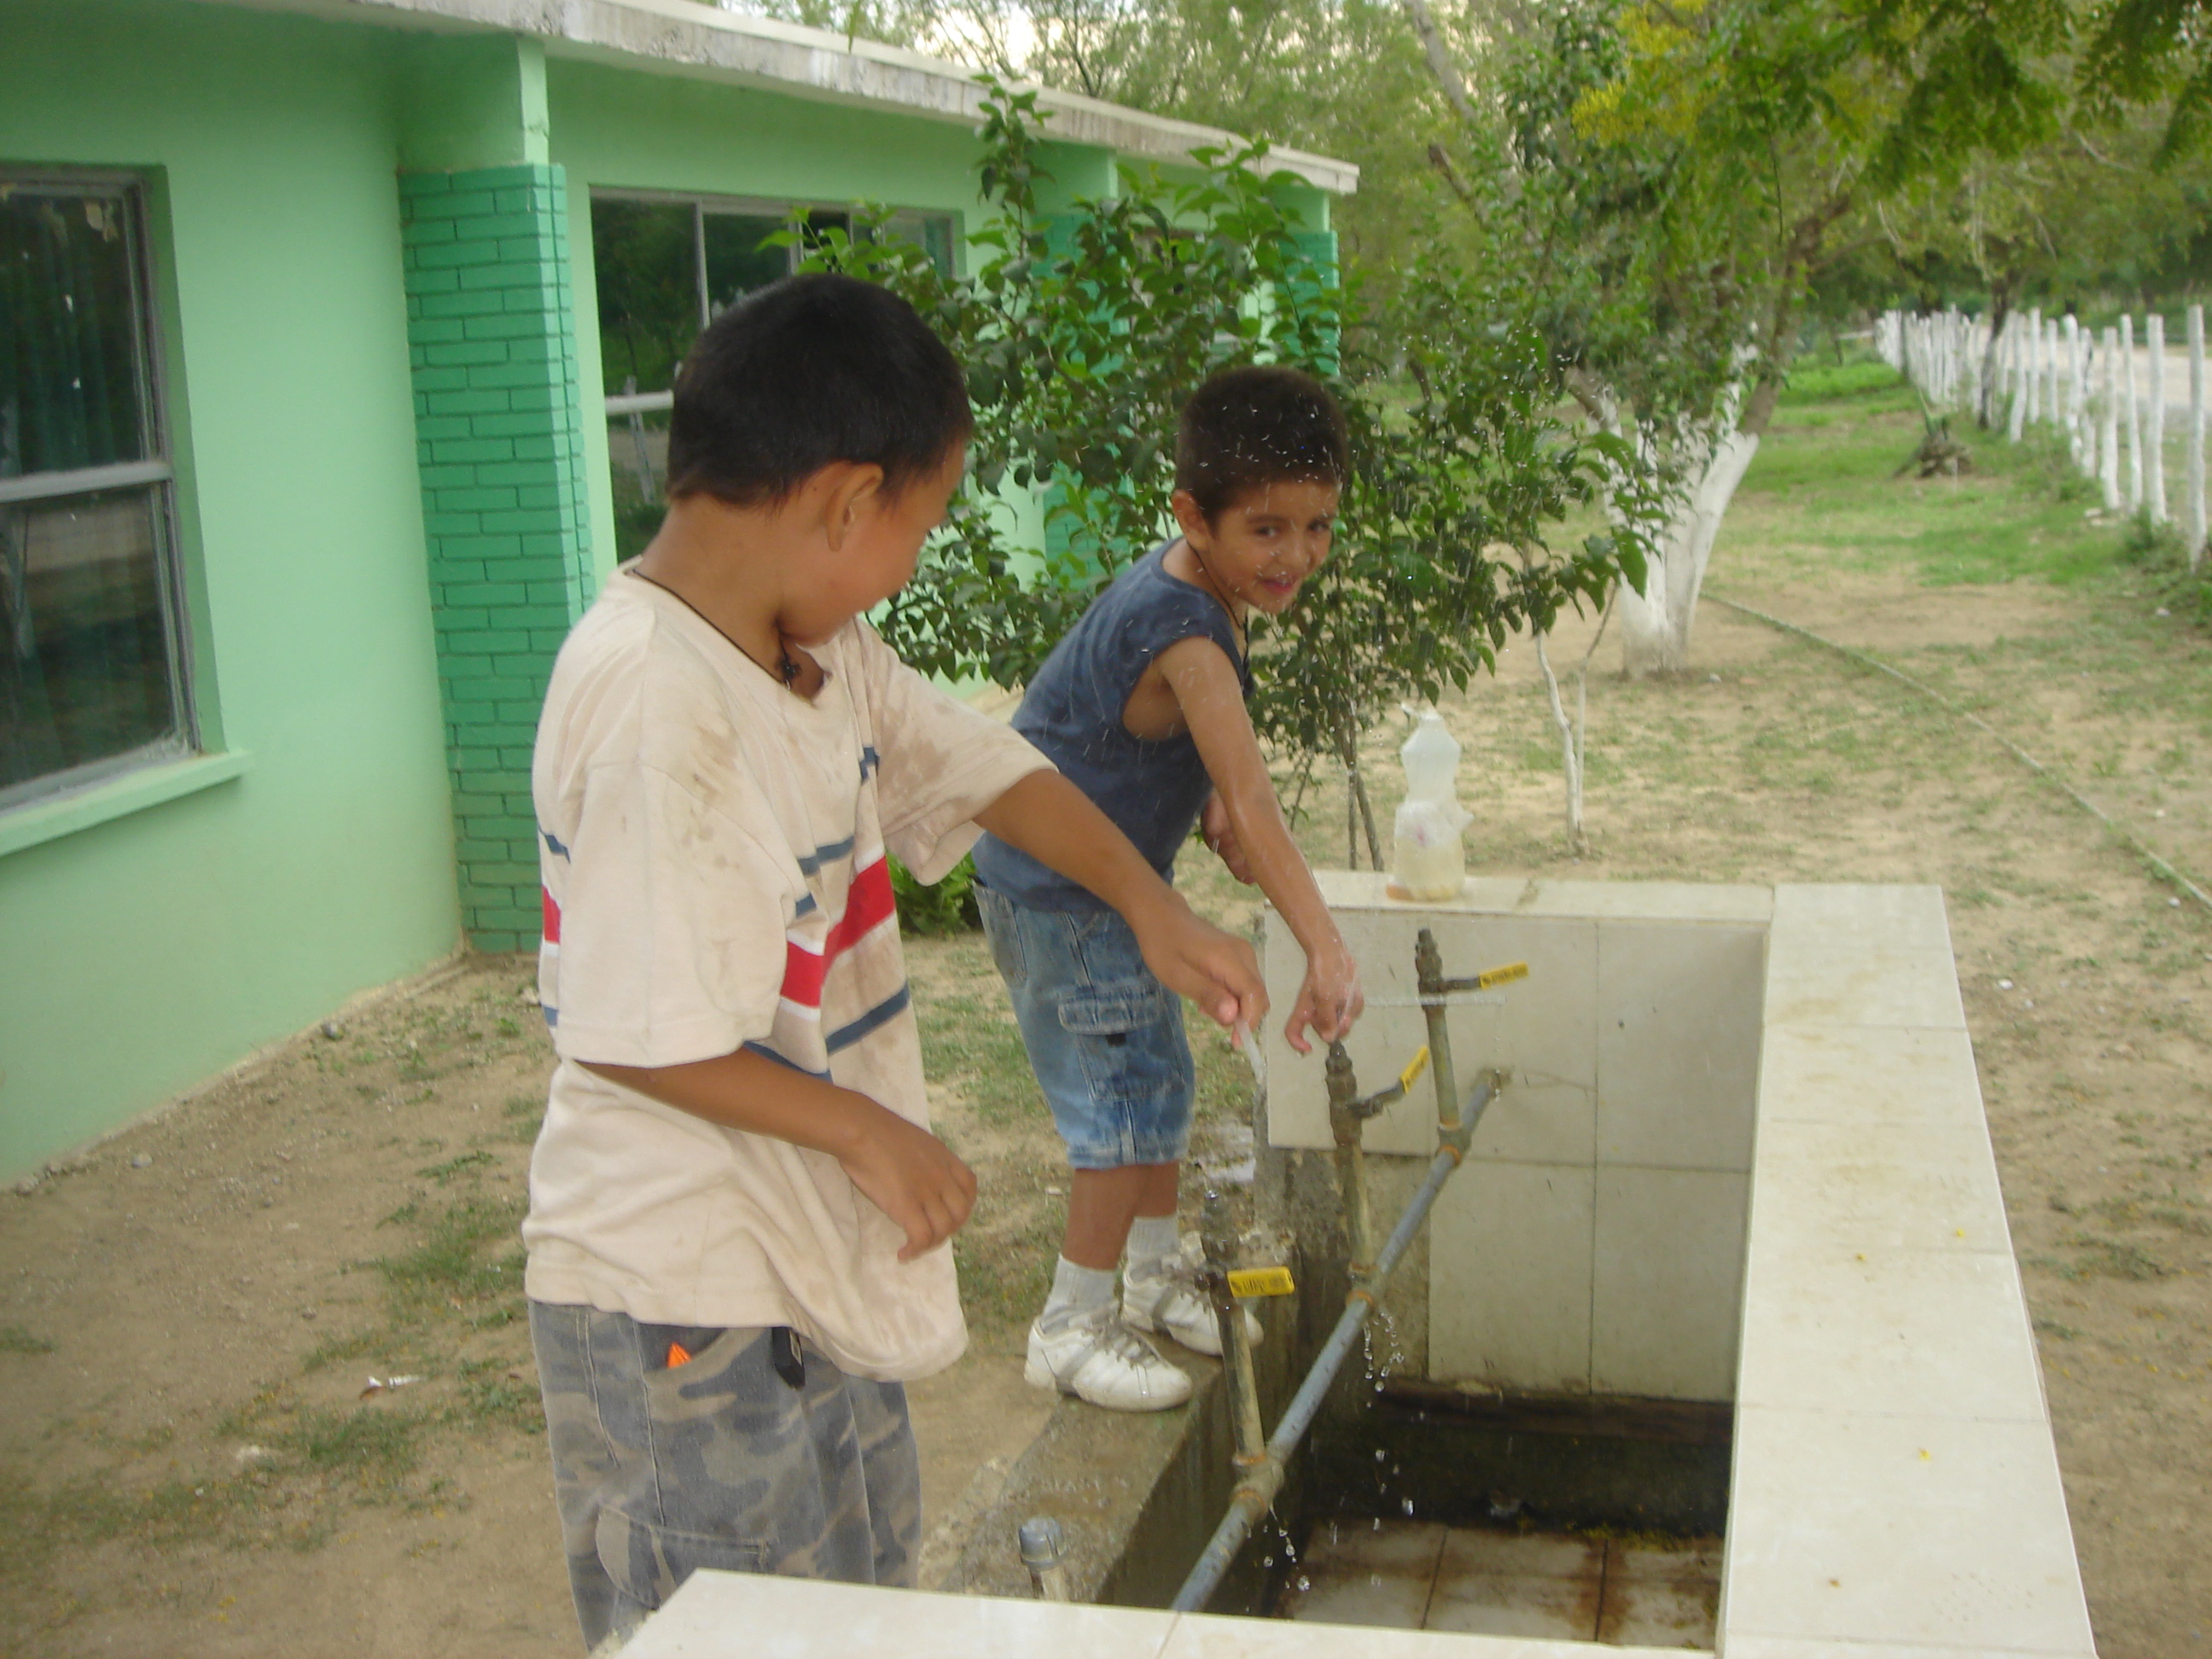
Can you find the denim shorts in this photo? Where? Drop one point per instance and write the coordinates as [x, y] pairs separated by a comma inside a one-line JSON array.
[[1104, 1037], [721, 1450]]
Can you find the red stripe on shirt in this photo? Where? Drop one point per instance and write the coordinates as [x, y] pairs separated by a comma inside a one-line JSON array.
[[552, 917], [868, 905]]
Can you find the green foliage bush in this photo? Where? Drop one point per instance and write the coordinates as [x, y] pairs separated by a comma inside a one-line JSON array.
[[937, 912]]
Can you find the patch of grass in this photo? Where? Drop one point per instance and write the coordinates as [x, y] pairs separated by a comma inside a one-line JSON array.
[[489, 1395], [450, 1263], [977, 1047], [375, 1448], [2113, 1258], [13, 1338], [1823, 382], [442, 1173]]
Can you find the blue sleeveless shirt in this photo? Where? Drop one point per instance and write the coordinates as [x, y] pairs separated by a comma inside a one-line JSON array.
[[1153, 790]]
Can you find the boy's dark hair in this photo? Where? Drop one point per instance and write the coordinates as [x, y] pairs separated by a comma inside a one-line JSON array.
[[1247, 427], [809, 371]]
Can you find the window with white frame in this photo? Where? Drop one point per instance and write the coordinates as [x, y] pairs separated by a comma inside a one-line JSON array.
[[93, 672]]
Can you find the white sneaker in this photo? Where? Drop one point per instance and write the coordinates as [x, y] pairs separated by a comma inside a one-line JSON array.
[[1097, 1358], [1174, 1305]]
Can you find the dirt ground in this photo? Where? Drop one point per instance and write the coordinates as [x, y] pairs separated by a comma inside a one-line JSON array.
[[190, 1314]]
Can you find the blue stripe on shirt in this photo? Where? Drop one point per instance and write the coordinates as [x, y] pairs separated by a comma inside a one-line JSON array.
[[889, 1009]]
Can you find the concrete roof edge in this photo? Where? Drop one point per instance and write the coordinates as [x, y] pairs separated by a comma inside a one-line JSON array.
[[703, 40]]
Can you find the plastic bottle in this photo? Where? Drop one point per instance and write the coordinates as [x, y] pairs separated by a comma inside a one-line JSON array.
[[1428, 860]]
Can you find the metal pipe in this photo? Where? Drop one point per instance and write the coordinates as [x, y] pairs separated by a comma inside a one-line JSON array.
[[1218, 1234], [1044, 1552], [1429, 976], [1347, 1128], [1256, 1493]]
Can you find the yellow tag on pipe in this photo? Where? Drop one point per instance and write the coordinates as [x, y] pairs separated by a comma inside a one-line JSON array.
[[1260, 1281], [1414, 1067], [1505, 975]]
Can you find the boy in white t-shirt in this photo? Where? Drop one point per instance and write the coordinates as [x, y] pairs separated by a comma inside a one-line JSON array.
[[739, 1219]]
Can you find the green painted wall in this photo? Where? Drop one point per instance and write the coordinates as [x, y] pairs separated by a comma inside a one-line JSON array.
[[140, 955]]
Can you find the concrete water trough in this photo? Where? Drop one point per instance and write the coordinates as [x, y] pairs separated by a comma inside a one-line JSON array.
[[1716, 1339]]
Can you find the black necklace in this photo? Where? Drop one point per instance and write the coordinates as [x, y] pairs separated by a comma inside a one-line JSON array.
[[786, 666]]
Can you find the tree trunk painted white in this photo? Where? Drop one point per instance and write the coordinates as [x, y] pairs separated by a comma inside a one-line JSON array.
[[2131, 415], [2030, 369], [1655, 625], [2155, 420], [2195, 505], [2108, 417]]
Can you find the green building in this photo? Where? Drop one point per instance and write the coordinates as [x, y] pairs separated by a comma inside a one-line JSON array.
[[309, 314]]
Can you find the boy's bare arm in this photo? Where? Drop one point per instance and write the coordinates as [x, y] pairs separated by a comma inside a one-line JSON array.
[[907, 1172], [1058, 825], [1206, 689]]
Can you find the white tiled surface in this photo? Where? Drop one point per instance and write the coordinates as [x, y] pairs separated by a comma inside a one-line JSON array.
[[1509, 1275], [1199, 1635], [1890, 1330], [1900, 1529], [1542, 1029], [1678, 1044], [1873, 1078], [719, 1615], [722, 1615], [1870, 1185], [1895, 1489], [1666, 1282]]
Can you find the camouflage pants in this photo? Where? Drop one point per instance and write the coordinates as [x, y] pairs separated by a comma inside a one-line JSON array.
[[719, 1462]]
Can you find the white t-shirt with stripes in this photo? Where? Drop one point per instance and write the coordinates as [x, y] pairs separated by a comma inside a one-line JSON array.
[[711, 847]]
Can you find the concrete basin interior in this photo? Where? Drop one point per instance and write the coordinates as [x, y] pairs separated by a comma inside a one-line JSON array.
[[1740, 1174]]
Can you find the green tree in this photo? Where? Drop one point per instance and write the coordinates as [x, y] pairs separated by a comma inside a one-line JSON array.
[[1082, 338]]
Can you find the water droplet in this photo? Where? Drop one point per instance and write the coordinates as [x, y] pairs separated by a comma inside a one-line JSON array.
[[1409, 1506], [1378, 1454], [1305, 1583], [1374, 1581]]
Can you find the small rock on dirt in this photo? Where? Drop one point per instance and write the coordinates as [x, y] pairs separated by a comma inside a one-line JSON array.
[[332, 1029], [141, 1160], [27, 1187]]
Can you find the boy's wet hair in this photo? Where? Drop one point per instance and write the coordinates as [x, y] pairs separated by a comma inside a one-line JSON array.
[[807, 372], [1248, 428]]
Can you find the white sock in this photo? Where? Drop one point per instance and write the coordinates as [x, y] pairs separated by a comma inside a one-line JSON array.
[[1076, 1290], [1153, 1240]]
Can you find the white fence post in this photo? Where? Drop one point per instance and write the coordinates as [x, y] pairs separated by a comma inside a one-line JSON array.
[[2032, 365], [2196, 488], [2062, 410], [2016, 374], [2132, 412], [2108, 417], [2051, 411], [2154, 422]]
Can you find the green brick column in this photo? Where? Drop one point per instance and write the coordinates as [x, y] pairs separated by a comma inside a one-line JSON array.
[[498, 421]]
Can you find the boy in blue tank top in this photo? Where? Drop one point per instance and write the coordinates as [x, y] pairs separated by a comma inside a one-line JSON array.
[[1142, 706]]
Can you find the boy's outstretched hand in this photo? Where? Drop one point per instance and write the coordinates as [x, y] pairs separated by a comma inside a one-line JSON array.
[[1058, 825], [1330, 1001], [1194, 958]]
